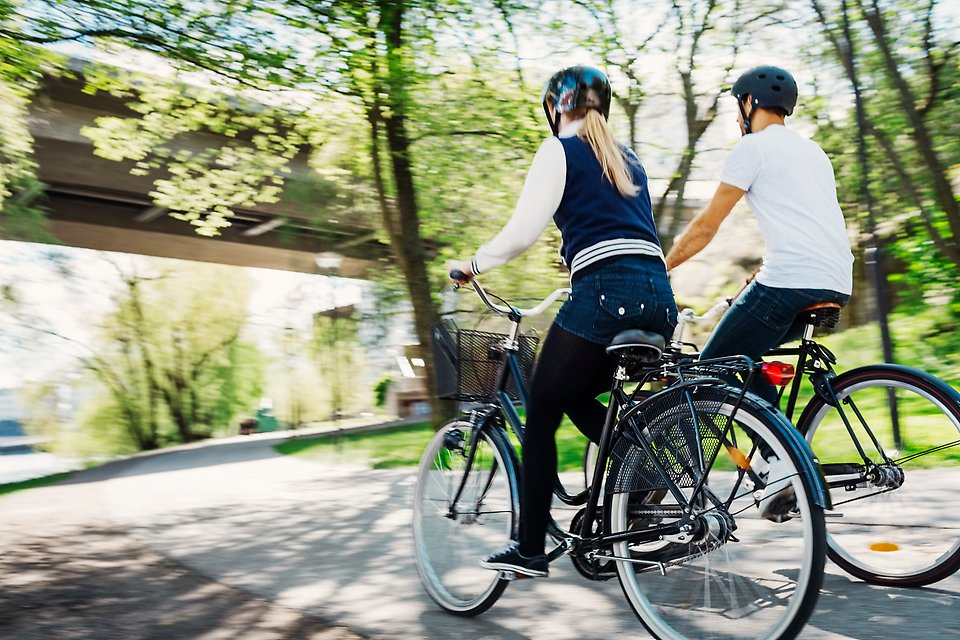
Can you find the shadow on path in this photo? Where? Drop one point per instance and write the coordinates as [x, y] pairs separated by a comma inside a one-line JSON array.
[[66, 572]]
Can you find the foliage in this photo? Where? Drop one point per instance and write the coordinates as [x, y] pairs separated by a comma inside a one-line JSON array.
[[254, 145], [189, 349], [170, 365], [42, 400], [20, 69], [101, 431], [380, 391], [906, 58]]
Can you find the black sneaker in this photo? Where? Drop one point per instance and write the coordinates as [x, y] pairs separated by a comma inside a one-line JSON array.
[[510, 559]]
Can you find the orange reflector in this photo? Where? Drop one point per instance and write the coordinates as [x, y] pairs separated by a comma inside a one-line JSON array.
[[779, 374], [738, 458], [884, 546]]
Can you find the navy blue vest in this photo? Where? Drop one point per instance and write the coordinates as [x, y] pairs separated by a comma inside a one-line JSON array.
[[595, 221]]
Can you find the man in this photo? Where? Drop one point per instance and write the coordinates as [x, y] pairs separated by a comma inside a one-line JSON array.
[[789, 184]]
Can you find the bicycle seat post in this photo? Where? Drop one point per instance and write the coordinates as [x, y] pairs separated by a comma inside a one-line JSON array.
[[825, 314]]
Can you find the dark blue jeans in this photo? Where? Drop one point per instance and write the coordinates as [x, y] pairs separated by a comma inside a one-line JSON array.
[[763, 318], [630, 292]]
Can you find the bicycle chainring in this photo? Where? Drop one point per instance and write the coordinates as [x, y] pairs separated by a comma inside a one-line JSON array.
[[595, 568]]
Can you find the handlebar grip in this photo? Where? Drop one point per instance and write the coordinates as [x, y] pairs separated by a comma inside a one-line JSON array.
[[456, 274]]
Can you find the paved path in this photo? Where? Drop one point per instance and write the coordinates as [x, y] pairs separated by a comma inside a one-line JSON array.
[[333, 541]]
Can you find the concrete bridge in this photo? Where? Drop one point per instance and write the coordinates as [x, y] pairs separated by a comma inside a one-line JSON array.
[[96, 203]]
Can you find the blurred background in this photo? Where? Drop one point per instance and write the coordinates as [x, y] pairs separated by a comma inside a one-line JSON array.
[[220, 211]]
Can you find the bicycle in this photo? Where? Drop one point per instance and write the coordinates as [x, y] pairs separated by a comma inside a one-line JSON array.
[[670, 509], [891, 487]]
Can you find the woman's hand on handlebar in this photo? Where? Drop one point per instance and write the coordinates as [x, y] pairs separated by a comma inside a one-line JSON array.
[[460, 271]]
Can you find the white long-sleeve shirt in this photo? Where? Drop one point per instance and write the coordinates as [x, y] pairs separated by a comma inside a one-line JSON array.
[[539, 200]]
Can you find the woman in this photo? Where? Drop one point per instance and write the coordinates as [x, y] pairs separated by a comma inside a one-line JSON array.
[[596, 192]]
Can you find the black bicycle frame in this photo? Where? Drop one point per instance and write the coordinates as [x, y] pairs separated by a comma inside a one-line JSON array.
[[815, 362], [510, 368], [590, 497]]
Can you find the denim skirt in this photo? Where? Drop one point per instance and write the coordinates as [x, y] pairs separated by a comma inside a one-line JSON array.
[[628, 292]]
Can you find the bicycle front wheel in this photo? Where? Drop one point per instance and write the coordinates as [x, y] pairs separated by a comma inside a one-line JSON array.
[[463, 511], [895, 521], [747, 577]]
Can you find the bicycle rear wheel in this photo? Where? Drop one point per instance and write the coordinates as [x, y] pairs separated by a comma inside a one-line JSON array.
[[748, 577], [451, 532], [896, 523]]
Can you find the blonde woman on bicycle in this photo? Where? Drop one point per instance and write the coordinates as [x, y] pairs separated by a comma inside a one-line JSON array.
[[595, 191]]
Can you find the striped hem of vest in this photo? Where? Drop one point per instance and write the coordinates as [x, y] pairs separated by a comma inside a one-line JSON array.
[[611, 248]]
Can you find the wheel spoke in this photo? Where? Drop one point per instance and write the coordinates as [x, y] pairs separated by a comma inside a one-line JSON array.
[[897, 526], [450, 539], [744, 576]]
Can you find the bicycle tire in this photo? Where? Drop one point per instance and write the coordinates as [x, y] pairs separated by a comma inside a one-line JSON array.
[[907, 536], [448, 546], [764, 581]]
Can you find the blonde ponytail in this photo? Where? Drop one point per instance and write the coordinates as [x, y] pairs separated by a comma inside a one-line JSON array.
[[612, 156]]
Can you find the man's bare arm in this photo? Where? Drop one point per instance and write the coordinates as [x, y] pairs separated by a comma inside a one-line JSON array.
[[702, 228]]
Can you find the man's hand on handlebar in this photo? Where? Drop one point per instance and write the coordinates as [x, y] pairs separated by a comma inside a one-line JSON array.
[[460, 271]]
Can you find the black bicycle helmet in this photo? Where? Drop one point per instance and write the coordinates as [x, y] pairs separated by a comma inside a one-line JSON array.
[[768, 87], [574, 88]]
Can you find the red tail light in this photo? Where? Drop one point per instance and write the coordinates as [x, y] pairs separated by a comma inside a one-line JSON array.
[[779, 374]]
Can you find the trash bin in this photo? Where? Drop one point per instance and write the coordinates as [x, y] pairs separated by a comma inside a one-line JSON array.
[[266, 421]]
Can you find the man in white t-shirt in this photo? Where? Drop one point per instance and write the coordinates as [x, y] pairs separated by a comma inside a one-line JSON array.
[[789, 184]]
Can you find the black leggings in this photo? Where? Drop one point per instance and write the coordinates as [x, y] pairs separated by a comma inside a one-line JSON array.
[[570, 373]]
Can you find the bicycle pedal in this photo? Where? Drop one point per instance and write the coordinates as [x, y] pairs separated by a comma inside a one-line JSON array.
[[509, 575]]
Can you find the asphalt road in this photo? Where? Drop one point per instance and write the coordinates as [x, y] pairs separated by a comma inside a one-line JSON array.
[[333, 542]]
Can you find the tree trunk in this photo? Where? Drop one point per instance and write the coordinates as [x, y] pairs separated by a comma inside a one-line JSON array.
[[404, 227], [173, 393]]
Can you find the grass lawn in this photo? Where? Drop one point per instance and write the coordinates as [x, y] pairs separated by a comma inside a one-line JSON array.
[[402, 446], [921, 343], [30, 484]]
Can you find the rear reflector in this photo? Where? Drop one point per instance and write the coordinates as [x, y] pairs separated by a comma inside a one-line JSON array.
[[779, 374]]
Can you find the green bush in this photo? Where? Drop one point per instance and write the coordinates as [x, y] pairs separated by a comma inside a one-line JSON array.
[[380, 391]]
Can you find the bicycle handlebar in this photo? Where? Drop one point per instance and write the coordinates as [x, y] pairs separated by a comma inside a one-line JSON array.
[[456, 274], [687, 316]]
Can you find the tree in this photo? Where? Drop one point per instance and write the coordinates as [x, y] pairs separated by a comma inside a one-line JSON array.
[[908, 71], [170, 357], [376, 56], [20, 68]]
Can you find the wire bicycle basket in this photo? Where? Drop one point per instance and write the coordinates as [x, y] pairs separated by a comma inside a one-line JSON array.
[[467, 362]]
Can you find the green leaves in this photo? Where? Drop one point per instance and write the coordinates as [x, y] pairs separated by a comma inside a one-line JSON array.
[[203, 186]]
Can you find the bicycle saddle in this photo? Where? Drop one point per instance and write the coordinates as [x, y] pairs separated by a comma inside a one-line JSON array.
[[822, 314], [642, 347]]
